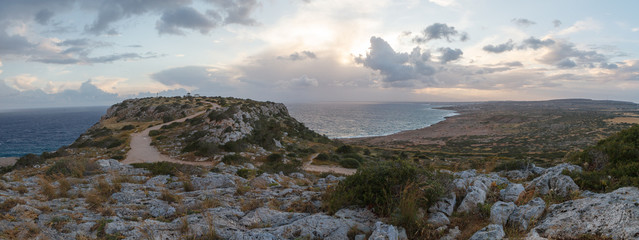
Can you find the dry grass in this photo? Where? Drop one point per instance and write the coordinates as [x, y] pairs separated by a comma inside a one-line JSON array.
[[63, 187], [10, 203], [169, 197], [22, 189], [242, 189], [46, 189], [100, 194], [249, 205]]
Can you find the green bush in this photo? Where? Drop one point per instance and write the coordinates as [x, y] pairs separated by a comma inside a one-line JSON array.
[[355, 156], [154, 133], [234, 159], [171, 126], [247, 173], [127, 127], [345, 149], [612, 163], [379, 187], [322, 157], [274, 158], [28, 161], [349, 163], [278, 166], [169, 168]]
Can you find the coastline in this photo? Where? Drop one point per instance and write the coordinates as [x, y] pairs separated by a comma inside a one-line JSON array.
[[7, 161]]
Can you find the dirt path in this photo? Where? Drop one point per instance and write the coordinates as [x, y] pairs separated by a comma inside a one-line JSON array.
[[142, 151], [326, 169]]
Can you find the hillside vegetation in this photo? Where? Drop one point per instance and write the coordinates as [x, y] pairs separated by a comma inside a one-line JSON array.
[[611, 163]]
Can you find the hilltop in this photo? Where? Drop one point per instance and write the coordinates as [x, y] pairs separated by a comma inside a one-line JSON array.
[[227, 168]]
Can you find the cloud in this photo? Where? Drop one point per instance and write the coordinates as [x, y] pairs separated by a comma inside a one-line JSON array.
[[87, 95], [397, 68], [608, 66], [444, 3], [507, 46], [299, 56], [536, 43], [14, 44], [237, 11], [43, 16], [522, 22], [566, 63], [301, 82], [22, 82], [439, 31], [556, 23], [579, 26], [66, 59], [111, 11], [184, 17], [449, 54], [514, 64], [192, 76]]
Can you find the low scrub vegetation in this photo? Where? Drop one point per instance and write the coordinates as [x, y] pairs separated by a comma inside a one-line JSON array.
[[395, 189], [612, 163], [73, 168]]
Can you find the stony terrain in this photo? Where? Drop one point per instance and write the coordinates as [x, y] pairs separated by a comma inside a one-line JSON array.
[[253, 186]]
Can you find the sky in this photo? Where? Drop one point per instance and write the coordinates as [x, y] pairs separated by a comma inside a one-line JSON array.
[[98, 52]]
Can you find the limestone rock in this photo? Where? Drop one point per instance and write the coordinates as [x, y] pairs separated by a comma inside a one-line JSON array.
[[500, 211], [511, 192], [384, 231], [268, 217], [525, 214], [490, 232], [212, 181], [160, 208], [553, 179], [444, 205], [614, 214], [475, 196], [452, 234], [438, 219]]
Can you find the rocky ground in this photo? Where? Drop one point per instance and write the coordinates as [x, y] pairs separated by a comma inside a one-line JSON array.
[[135, 204]]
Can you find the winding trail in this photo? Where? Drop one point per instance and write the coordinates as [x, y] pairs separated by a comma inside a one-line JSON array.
[[142, 151], [326, 169]]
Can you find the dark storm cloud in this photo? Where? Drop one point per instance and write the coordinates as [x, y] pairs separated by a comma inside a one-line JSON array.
[[536, 43], [507, 46], [522, 22], [449, 54], [556, 23], [184, 17], [299, 56], [440, 31], [396, 67]]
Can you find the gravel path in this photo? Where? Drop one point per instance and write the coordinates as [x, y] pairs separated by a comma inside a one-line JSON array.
[[142, 151]]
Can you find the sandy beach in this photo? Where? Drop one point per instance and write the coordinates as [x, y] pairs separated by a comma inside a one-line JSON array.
[[7, 161]]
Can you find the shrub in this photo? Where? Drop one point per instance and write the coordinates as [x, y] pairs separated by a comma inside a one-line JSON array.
[[512, 165], [235, 146], [345, 149], [379, 186], [322, 156], [169, 168], [75, 168], [279, 166], [612, 163], [127, 127], [246, 173], [349, 163], [234, 159], [275, 157], [355, 156], [28, 161], [153, 133]]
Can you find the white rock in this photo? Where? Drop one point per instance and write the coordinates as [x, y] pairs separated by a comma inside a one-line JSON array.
[[500, 211], [490, 232], [511, 192]]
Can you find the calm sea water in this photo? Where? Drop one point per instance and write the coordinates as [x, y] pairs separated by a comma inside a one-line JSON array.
[[40, 130], [347, 120]]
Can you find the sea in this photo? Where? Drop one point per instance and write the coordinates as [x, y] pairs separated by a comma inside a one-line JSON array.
[[366, 119], [44, 130]]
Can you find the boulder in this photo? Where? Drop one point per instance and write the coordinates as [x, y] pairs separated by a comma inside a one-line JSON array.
[[438, 219], [159, 208], [525, 214], [452, 234], [614, 215], [500, 211], [384, 231], [490, 232], [212, 181], [268, 217], [444, 205], [553, 179], [475, 196], [511, 192]]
